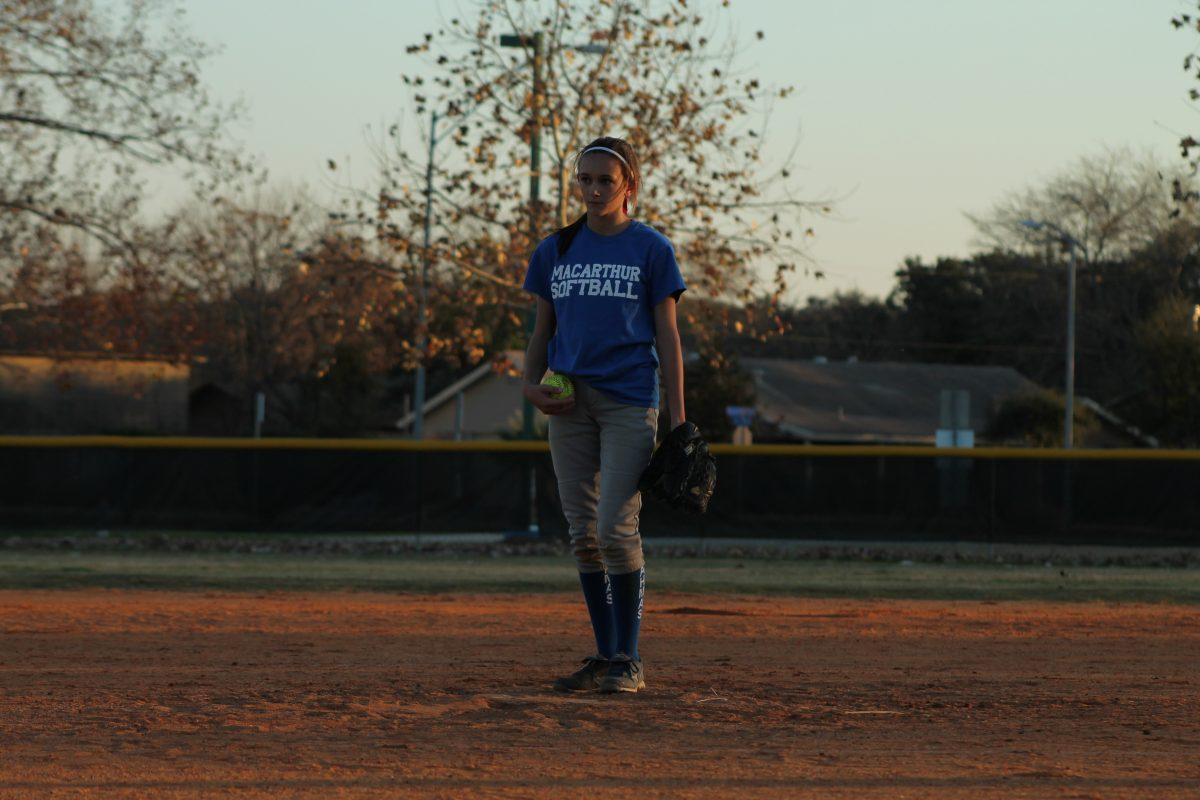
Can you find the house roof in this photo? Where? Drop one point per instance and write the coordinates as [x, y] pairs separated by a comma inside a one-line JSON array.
[[873, 401], [515, 357], [843, 401]]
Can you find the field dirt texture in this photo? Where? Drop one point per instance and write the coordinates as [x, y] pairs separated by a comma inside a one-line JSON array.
[[126, 693]]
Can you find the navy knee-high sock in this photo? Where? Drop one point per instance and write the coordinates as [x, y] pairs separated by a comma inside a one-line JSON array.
[[628, 591], [597, 593]]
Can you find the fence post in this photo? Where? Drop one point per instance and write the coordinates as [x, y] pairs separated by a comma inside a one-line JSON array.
[[255, 506], [991, 506], [1068, 470], [420, 459], [533, 527]]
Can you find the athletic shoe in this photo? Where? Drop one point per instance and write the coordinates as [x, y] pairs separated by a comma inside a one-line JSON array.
[[586, 678], [624, 675]]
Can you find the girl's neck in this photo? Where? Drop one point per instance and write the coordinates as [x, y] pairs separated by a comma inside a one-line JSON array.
[[609, 224]]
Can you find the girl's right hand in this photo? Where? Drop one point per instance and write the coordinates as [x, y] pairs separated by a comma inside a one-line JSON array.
[[545, 400]]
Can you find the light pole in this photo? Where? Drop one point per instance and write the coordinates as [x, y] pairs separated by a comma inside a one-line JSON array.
[[422, 302], [422, 338], [537, 42], [535, 175], [1071, 244]]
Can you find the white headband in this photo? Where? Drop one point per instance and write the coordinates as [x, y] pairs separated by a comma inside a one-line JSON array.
[[607, 150]]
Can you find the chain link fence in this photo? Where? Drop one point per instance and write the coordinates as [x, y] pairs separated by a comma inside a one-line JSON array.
[[1128, 497]]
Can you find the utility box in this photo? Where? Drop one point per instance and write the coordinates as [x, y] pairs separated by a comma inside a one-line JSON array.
[[954, 430], [954, 420]]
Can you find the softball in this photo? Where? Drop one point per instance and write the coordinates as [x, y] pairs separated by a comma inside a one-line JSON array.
[[562, 383]]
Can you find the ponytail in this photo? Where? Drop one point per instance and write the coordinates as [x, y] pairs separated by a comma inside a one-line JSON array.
[[564, 236]]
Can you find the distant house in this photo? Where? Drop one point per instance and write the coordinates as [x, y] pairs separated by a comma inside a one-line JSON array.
[[483, 404], [817, 401], [808, 401], [822, 401], [799, 401], [872, 402], [92, 393]]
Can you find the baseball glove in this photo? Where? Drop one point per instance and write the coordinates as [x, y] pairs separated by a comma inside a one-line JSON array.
[[681, 471]]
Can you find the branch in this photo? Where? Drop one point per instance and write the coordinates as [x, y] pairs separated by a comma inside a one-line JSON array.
[[485, 275], [118, 140], [101, 232]]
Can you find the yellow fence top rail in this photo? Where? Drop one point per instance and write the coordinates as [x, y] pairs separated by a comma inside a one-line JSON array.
[[539, 446]]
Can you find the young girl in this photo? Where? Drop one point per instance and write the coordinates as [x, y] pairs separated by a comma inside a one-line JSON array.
[[606, 289]]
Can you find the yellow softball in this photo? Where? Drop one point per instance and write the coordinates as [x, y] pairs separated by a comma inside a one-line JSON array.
[[562, 383]]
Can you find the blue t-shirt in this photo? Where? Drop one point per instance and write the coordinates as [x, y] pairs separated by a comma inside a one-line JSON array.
[[604, 291]]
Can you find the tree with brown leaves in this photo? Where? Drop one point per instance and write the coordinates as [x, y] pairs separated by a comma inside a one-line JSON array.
[[283, 297], [656, 74], [1191, 65]]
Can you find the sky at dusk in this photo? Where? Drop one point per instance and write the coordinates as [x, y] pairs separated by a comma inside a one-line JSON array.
[[908, 114]]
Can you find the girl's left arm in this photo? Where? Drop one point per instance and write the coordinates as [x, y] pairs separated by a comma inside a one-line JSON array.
[[670, 357]]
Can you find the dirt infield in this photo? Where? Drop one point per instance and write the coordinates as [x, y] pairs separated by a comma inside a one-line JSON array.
[[116, 693]]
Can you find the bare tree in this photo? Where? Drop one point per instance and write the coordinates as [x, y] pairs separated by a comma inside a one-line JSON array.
[[1112, 203], [89, 97]]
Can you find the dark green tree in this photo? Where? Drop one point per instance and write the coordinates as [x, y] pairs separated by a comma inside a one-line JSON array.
[[1035, 419], [1169, 344], [715, 381]]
